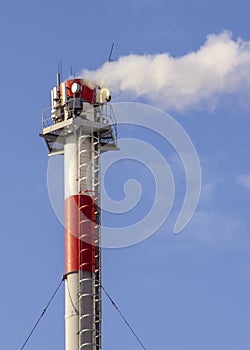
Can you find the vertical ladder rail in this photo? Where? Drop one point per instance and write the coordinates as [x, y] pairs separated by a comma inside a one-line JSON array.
[[89, 282], [98, 269]]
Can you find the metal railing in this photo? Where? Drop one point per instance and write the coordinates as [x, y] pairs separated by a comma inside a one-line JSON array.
[[102, 113]]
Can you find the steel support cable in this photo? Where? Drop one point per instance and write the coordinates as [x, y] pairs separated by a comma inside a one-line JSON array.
[[123, 317], [42, 314]]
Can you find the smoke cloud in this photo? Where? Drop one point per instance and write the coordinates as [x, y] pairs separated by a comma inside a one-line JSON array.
[[221, 66]]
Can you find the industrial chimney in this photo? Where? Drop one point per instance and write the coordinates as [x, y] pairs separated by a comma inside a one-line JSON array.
[[80, 125]]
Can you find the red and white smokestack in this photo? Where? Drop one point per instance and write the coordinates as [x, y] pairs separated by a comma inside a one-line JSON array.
[[81, 127], [80, 245]]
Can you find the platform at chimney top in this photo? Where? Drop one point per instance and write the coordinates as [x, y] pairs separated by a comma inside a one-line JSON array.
[[99, 119]]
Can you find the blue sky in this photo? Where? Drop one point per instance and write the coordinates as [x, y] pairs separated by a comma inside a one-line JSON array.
[[188, 291]]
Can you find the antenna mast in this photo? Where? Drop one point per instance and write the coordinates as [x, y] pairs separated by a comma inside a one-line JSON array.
[[110, 54]]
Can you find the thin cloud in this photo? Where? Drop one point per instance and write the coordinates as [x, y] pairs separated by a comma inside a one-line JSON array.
[[207, 229], [244, 181]]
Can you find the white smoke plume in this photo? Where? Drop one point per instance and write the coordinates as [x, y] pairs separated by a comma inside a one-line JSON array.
[[221, 66]]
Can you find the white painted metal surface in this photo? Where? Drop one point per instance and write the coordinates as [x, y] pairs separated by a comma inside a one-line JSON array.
[[72, 312]]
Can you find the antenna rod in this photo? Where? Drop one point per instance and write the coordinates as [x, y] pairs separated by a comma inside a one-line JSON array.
[[59, 73], [58, 78], [111, 51]]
